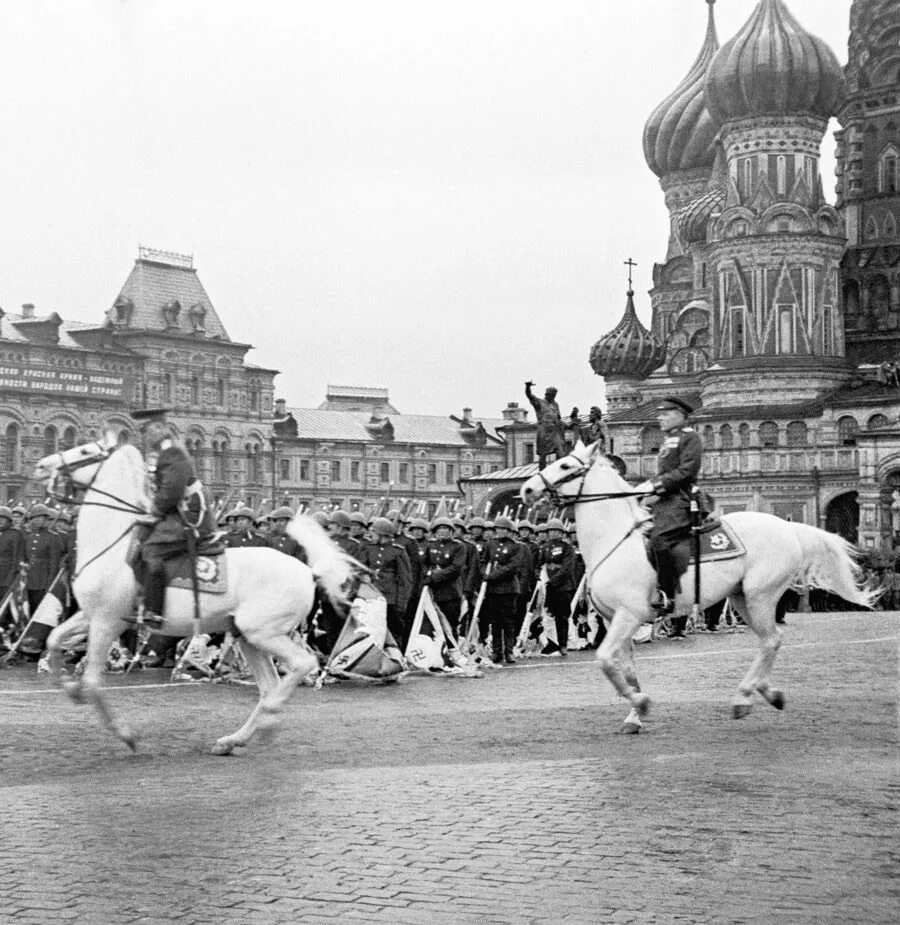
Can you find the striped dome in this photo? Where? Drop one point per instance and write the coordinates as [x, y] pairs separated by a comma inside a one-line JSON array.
[[629, 349], [693, 220], [773, 66], [680, 133]]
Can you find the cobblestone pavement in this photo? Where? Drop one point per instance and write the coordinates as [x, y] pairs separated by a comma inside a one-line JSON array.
[[507, 799]]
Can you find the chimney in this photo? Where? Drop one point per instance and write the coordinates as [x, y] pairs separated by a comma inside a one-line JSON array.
[[467, 416], [28, 310], [280, 408], [514, 414]]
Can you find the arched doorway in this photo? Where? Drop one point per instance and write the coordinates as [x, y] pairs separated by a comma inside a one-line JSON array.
[[507, 501], [842, 516]]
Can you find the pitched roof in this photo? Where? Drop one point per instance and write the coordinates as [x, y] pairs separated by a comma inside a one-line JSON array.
[[67, 330], [320, 424], [153, 284], [646, 412]]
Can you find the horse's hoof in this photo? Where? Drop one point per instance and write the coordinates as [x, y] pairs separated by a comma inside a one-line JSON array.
[[630, 729], [641, 703], [776, 698], [74, 690], [740, 710], [130, 740], [223, 748]]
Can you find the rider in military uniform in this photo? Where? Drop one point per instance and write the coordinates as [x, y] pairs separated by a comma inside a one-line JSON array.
[[181, 513], [679, 464], [391, 575], [501, 561], [279, 540], [445, 562]]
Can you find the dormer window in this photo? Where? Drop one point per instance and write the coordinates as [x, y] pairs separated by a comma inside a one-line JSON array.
[[122, 311], [170, 312], [198, 318]]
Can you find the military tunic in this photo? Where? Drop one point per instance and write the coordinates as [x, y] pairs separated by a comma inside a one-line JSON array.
[[678, 466], [12, 552], [391, 572], [248, 538], [288, 545]]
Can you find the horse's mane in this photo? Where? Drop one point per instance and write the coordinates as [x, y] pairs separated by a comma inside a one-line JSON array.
[[130, 463], [601, 459]]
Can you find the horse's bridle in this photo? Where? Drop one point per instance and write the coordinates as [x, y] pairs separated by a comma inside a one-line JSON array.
[[582, 497]]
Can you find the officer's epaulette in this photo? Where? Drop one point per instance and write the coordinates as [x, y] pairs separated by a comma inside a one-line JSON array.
[[687, 429], [398, 546]]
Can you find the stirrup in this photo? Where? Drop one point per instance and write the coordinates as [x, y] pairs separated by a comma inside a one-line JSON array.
[[145, 618], [663, 604]]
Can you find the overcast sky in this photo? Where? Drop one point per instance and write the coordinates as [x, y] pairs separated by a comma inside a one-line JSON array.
[[433, 197]]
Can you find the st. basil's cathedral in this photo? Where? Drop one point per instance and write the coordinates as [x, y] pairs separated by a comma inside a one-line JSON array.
[[774, 313]]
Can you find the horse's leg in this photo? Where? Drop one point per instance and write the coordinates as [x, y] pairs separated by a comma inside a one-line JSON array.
[[297, 661], [632, 724], [623, 625], [760, 617], [102, 634], [266, 676], [56, 641]]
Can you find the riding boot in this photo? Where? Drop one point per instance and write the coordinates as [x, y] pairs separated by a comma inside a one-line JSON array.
[[154, 588]]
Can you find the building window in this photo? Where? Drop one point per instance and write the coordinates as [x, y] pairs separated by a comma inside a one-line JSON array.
[[11, 448], [432, 473], [726, 436], [797, 434], [404, 472], [123, 438], [254, 463], [527, 453], [168, 387], [304, 470], [476, 470], [708, 437], [877, 420], [744, 436], [220, 461], [354, 471], [69, 439], [254, 400], [848, 428], [335, 470], [651, 439], [50, 441], [384, 472], [195, 390], [768, 435], [786, 330], [887, 170], [451, 473], [737, 332], [747, 176], [220, 391], [284, 469], [781, 174]]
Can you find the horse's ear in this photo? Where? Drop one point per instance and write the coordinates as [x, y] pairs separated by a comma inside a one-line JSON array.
[[109, 440], [579, 445]]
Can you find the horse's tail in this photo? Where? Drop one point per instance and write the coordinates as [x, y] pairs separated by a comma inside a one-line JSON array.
[[331, 566], [829, 563]]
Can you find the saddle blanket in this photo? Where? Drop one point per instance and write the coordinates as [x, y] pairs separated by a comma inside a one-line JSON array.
[[719, 541], [212, 573]]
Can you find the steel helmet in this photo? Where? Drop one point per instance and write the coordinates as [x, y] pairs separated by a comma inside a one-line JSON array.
[[476, 522], [441, 522], [18, 509], [40, 510], [489, 525], [504, 523], [281, 513], [320, 517], [241, 510], [357, 517], [556, 524], [418, 523], [340, 518], [383, 527], [459, 523], [526, 525], [6, 512]]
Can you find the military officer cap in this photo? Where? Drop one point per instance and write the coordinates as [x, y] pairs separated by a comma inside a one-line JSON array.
[[441, 522], [6, 512], [320, 517], [241, 510], [281, 513], [149, 414], [357, 517], [673, 403], [418, 523], [382, 526], [340, 518], [504, 523], [556, 524], [526, 525], [40, 510]]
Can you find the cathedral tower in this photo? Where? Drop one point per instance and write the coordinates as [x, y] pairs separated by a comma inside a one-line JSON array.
[[776, 246], [868, 189]]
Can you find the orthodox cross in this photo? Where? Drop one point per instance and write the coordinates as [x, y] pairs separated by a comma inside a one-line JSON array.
[[630, 264]]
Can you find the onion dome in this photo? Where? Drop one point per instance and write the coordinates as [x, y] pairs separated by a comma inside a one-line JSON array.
[[773, 66], [629, 349], [680, 133], [693, 220]]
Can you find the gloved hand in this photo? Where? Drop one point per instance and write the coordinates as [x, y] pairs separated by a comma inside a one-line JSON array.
[[645, 488], [147, 520]]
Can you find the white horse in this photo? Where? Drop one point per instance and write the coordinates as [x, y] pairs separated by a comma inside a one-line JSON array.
[[268, 592], [622, 582]]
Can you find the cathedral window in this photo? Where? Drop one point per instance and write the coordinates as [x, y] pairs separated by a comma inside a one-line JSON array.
[[890, 226], [709, 438], [785, 330], [828, 331], [168, 387], [747, 176], [871, 229], [50, 441], [737, 332], [781, 174], [220, 391], [797, 434], [195, 390], [254, 400], [726, 437], [768, 435], [68, 439], [220, 461], [887, 170], [877, 420], [848, 428], [744, 436], [11, 448]]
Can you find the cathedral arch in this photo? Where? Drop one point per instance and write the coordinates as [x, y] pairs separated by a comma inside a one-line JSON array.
[[726, 437], [848, 428], [797, 434], [876, 421], [784, 217], [768, 435], [888, 162], [890, 226], [871, 232], [842, 516], [851, 297]]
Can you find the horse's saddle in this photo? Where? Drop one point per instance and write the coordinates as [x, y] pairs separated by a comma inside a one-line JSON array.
[[718, 541], [212, 566]]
